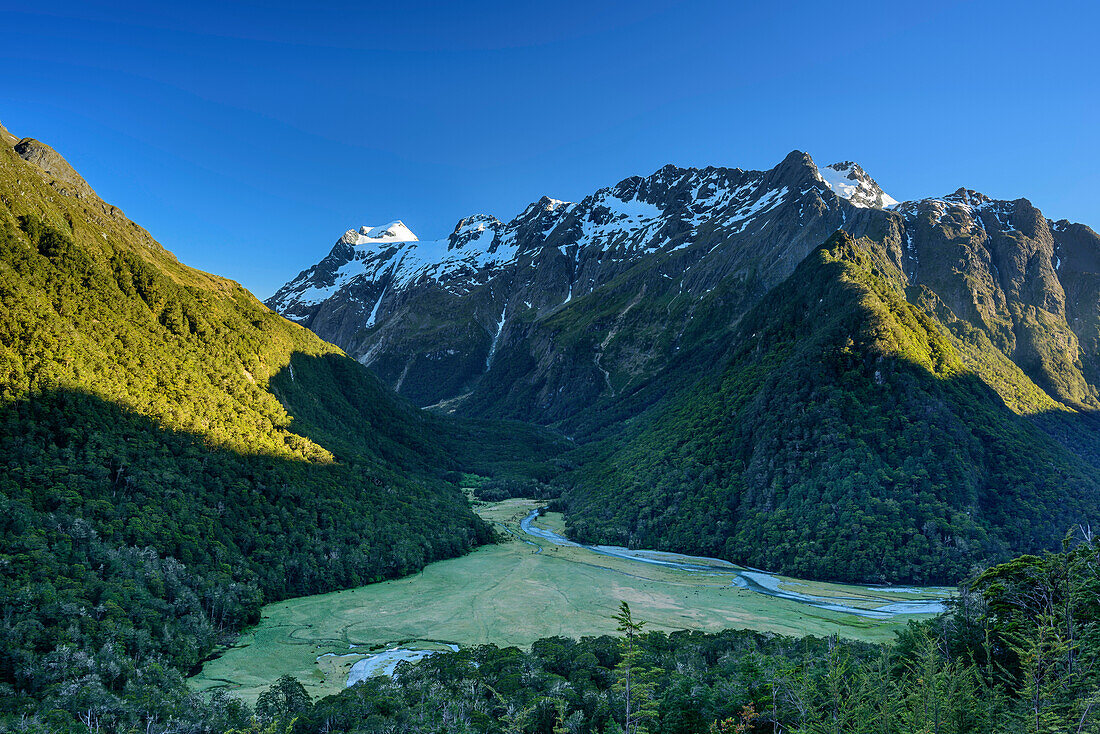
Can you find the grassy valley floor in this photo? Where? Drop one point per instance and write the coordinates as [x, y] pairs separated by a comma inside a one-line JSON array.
[[513, 594]]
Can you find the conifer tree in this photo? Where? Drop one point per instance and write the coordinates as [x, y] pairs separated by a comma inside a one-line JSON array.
[[634, 682]]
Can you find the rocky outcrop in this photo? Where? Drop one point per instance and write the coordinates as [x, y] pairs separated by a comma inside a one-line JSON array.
[[1001, 266], [51, 162]]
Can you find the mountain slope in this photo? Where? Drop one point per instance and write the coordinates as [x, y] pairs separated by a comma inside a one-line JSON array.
[[1000, 267], [850, 435], [571, 307], [175, 454]]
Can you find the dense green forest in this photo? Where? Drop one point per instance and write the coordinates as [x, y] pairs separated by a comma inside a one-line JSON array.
[[852, 435], [1018, 652], [173, 455]]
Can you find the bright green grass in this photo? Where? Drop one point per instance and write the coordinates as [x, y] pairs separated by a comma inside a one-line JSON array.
[[508, 595]]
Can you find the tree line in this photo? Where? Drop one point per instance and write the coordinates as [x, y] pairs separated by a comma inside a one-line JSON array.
[[1018, 651]]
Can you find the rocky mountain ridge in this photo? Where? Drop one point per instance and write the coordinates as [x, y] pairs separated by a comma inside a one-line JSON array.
[[666, 212], [572, 303]]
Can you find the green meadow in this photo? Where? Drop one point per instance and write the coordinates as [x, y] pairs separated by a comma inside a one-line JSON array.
[[513, 594]]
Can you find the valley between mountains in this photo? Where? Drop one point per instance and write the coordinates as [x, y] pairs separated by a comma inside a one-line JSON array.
[[761, 407], [540, 585]]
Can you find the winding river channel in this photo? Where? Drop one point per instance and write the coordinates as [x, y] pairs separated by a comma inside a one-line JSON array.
[[542, 585], [757, 581], [745, 578]]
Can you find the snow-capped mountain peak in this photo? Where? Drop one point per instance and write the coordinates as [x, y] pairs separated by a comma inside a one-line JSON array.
[[393, 232], [388, 234], [474, 234], [475, 224], [849, 181], [556, 251]]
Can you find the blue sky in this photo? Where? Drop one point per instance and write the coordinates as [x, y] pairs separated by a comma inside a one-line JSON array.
[[248, 136]]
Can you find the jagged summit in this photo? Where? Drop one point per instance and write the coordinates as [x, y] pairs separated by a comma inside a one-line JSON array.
[[666, 211], [795, 164], [967, 196], [693, 226], [849, 181], [393, 232], [387, 234], [476, 221]]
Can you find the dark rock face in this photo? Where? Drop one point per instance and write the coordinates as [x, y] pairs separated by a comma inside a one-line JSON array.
[[569, 305], [1077, 266], [50, 161]]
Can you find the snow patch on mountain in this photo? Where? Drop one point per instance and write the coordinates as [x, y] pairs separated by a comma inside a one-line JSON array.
[[665, 212], [442, 260], [972, 204], [765, 203], [613, 222], [496, 338], [708, 198], [387, 234], [311, 294], [374, 311]]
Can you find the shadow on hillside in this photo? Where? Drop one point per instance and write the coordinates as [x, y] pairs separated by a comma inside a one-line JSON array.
[[1079, 432], [341, 405], [841, 463], [289, 527], [128, 549]]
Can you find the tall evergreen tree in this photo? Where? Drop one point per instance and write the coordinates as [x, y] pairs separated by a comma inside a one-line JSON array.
[[635, 682]]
